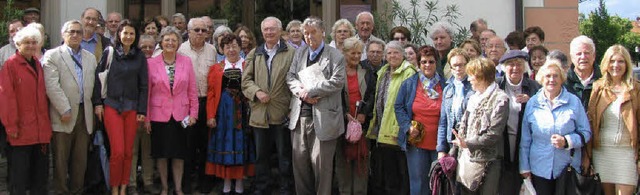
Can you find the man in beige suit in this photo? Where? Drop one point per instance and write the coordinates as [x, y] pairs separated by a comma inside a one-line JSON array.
[[69, 73]]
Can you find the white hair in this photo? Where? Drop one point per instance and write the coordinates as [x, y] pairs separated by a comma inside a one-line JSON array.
[[278, 22], [579, 40], [194, 20], [362, 14], [29, 32], [67, 25]]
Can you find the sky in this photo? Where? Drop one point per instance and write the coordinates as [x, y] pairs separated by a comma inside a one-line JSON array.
[[624, 8]]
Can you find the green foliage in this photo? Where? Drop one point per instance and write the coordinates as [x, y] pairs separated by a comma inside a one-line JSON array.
[[232, 11], [606, 30], [419, 18], [8, 13]]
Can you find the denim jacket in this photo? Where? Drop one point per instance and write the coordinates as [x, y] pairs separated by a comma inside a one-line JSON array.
[[567, 118], [404, 105], [447, 119]]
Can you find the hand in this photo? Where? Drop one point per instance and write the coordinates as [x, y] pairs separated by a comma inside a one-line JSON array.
[[212, 123], [66, 117], [303, 93], [459, 141], [526, 175], [147, 126], [360, 118], [99, 111], [263, 97], [192, 121], [558, 141], [522, 98], [311, 100], [140, 118], [441, 154], [413, 132]]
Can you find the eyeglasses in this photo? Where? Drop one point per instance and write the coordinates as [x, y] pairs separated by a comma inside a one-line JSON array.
[[200, 30], [71, 32], [427, 61], [342, 31], [400, 38], [147, 47]]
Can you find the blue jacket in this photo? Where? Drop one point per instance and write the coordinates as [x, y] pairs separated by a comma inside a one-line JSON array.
[[404, 104], [447, 119], [567, 118]]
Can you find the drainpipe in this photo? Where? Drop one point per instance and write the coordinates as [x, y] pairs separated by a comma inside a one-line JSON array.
[[519, 15]]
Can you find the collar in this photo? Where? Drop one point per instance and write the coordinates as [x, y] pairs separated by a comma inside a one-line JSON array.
[[302, 43], [585, 82], [487, 92], [274, 49], [514, 85], [239, 62], [94, 38], [368, 39], [193, 49], [71, 50], [558, 101], [317, 51]]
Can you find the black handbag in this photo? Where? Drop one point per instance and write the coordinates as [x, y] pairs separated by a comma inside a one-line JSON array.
[[573, 183]]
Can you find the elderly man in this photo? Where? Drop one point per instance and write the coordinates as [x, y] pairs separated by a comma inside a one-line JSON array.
[[365, 26], [69, 72], [484, 37], [476, 27], [179, 21], [92, 41], [202, 58], [9, 49], [315, 129], [264, 84], [583, 73], [495, 50], [31, 15], [113, 21], [519, 88], [375, 55], [209, 22]]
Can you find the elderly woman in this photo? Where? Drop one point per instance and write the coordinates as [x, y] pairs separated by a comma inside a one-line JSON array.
[[402, 34], [454, 100], [480, 132], [553, 127], [230, 155], [417, 109], [248, 40], [472, 47], [28, 127], [340, 31], [558, 55], [442, 36], [217, 36], [294, 30], [614, 112], [533, 36], [350, 165], [40, 50], [173, 106], [519, 88], [388, 161], [537, 58], [411, 51], [125, 103]]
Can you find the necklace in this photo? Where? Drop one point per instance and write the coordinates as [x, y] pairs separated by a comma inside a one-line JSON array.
[[169, 63]]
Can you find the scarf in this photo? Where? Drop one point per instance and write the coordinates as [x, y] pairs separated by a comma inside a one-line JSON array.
[[428, 84]]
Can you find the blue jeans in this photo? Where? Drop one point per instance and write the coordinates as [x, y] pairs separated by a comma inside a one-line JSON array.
[[419, 162]]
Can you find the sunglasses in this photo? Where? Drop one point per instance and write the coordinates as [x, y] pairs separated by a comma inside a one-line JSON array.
[[199, 30]]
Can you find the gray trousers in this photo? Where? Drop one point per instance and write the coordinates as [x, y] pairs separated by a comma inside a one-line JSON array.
[[312, 160], [352, 177], [142, 146], [70, 157]]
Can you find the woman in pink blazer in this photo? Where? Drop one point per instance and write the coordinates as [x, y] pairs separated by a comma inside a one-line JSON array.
[[173, 100]]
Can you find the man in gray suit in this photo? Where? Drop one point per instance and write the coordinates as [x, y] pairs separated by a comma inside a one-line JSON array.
[[317, 116], [69, 73]]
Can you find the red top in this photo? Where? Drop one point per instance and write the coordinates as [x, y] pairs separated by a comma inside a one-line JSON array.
[[24, 108], [427, 111], [354, 93]]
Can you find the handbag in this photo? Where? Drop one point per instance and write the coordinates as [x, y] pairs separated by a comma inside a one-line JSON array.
[[571, 182], [102, 76]]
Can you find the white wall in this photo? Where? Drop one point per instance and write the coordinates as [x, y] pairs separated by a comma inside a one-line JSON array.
[[500, 14], [57, 12]]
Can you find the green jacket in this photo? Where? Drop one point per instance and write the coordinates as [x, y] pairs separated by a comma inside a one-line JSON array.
[[386, 130], [257, 77]]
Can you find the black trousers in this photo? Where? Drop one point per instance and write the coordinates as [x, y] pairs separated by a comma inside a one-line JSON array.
[[265, 139], [29, 169], [389, 173], [197, 139], [543, 186], [510, 179]]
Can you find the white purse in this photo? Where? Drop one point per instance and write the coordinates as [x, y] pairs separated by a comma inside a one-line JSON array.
[[103, 75]]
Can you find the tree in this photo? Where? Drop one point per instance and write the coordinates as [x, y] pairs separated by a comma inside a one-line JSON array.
[[8, 13], [606, 30]]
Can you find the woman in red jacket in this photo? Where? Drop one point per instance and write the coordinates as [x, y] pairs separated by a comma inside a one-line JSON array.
[[24, 111]]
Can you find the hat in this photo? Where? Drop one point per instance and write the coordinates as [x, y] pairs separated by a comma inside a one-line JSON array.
[[511, 54], [31, 9]]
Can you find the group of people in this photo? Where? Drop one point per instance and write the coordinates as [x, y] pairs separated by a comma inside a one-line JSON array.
[[357, 115]]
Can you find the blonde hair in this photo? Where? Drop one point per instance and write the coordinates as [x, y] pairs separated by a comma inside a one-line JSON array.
[[482, 69], [546, 68], [627, 78]]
